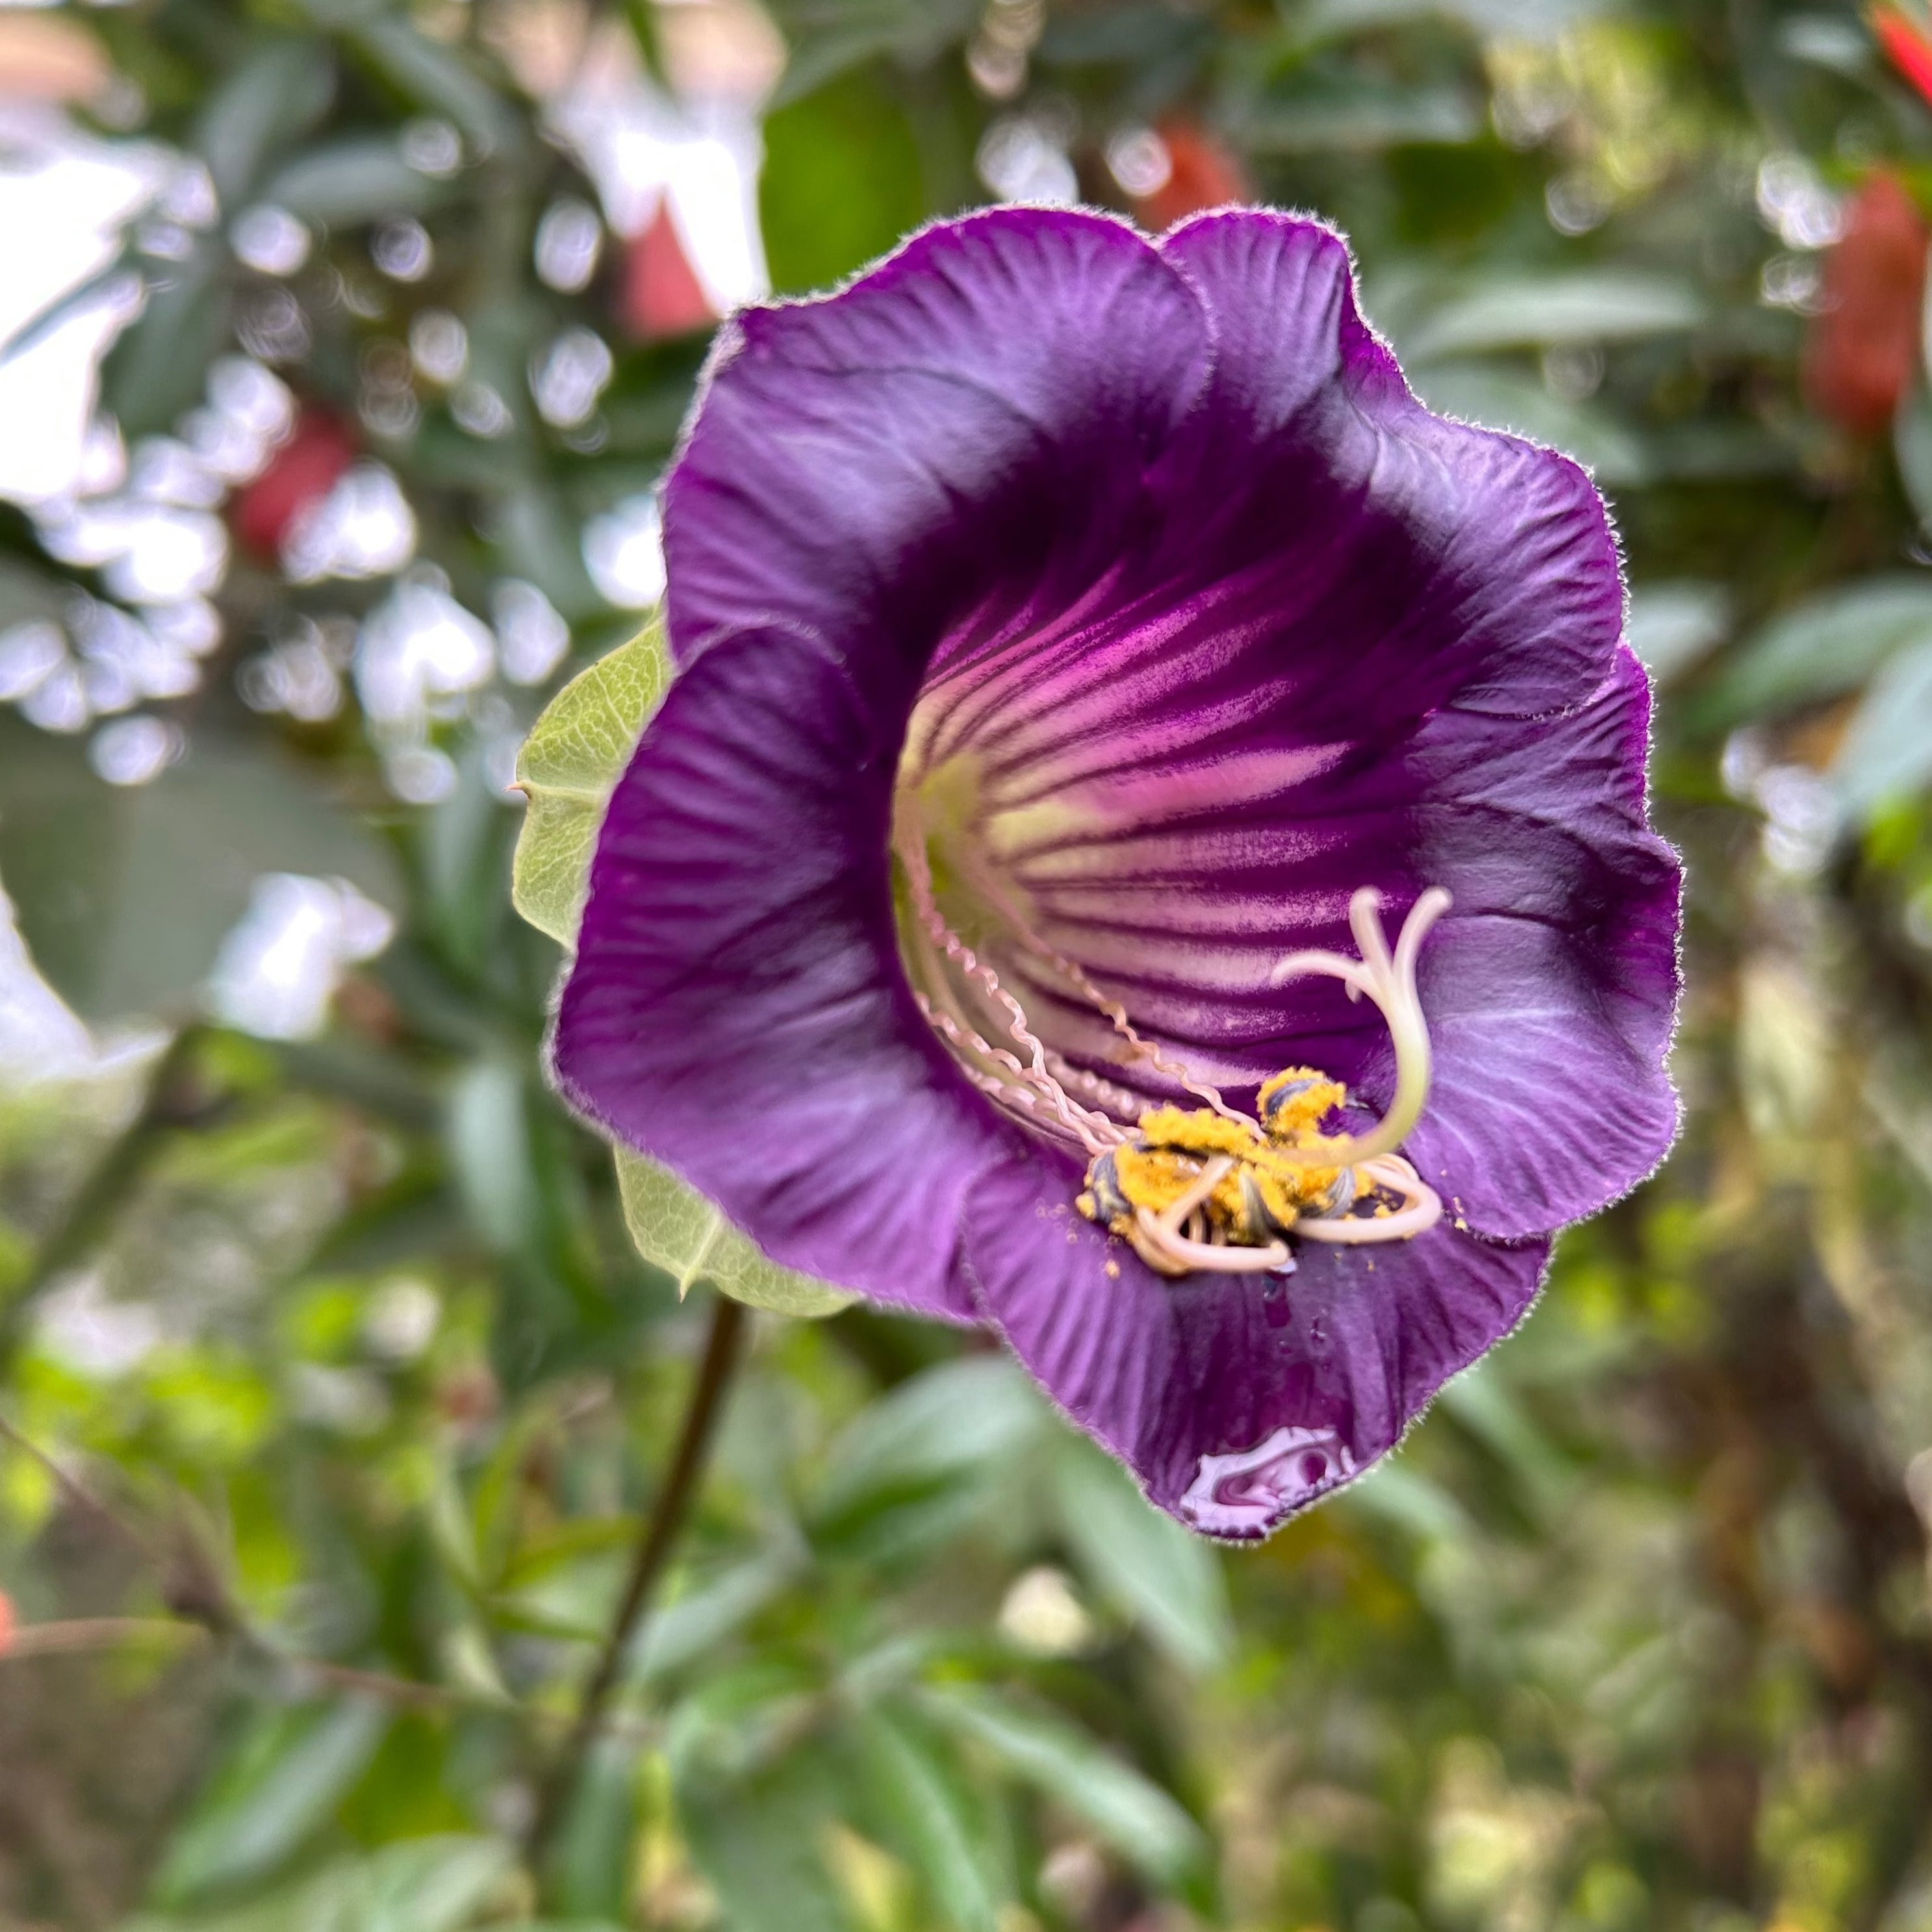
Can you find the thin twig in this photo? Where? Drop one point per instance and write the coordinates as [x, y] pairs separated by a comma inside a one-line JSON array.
[[71, 1486], [70, 1634], [69, 1637], [654, 1547]]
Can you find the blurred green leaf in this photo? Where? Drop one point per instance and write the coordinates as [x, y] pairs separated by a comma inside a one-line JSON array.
[[576, 752], [489, 1146], [681, 1631], [124, 894], [426, 1885], [346, 183], [27, 594], [1673, 627], [159, 368], [828, 38], [1169, 1581], [1483, 1403], [280, 91], [759, 1843], [1128, 1809], [1580, 305], [1829, 645], [954, 1420], [842, 183], [1912, 444], [1348, 112], [434, 75], [592, 1864], [675, 1228], [1887, 751], [270, 1798], [930, 1819]]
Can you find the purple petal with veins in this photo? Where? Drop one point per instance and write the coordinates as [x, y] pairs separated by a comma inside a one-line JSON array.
[[1071, 629]]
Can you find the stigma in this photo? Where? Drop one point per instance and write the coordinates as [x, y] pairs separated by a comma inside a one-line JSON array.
[[1210, 1190]]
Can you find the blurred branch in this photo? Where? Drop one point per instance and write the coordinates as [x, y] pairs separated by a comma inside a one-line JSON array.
[[660, 1531]]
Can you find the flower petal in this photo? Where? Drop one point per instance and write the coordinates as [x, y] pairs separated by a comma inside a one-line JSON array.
[[1512, 577], [1236, 1400], [992, 393], [1551, 988], [736, 1010]]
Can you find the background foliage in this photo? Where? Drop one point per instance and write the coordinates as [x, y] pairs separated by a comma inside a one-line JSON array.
[[334, 1388]]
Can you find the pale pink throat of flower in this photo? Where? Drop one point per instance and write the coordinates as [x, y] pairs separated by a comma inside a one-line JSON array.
[[963, 998]]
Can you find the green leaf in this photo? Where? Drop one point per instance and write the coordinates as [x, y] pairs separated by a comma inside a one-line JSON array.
[[1887, 752], [1825, 646], [576, 752], [288, 1776], [159, 368], [488, 1135], [758, 1843], [590, 1866], [274, 97], [677, 1229], [1483, 1404], [955, 1420], [841, 182], [1912, 445], [346, 183], [1169, 1582], [440, 1884], [1395, 1493], [684, 1629], [1342, 112], [930, 1820], [124, 895], [437, 77], [1673, 627], [1585, 305], [1506, 399], [1134, 1816]]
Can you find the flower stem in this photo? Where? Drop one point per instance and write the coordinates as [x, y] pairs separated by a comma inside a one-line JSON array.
[[654, 1547]]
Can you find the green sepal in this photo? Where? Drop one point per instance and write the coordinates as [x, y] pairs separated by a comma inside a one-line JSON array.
[[681, 1232], [568, 766]]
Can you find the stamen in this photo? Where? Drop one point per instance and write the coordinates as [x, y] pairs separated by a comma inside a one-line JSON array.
[[1094, 1131], [1168, 1253], [1212, 1175], [1421, 1210], [994, 892]]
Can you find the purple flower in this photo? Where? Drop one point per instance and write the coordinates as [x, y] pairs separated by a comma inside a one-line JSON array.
[[1079, 639]]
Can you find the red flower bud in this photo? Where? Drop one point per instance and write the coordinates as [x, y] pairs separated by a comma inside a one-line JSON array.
[[1908, 46], [1204, 175], [300, 473], [1863, 353], [661, 296], [9, 1623]]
